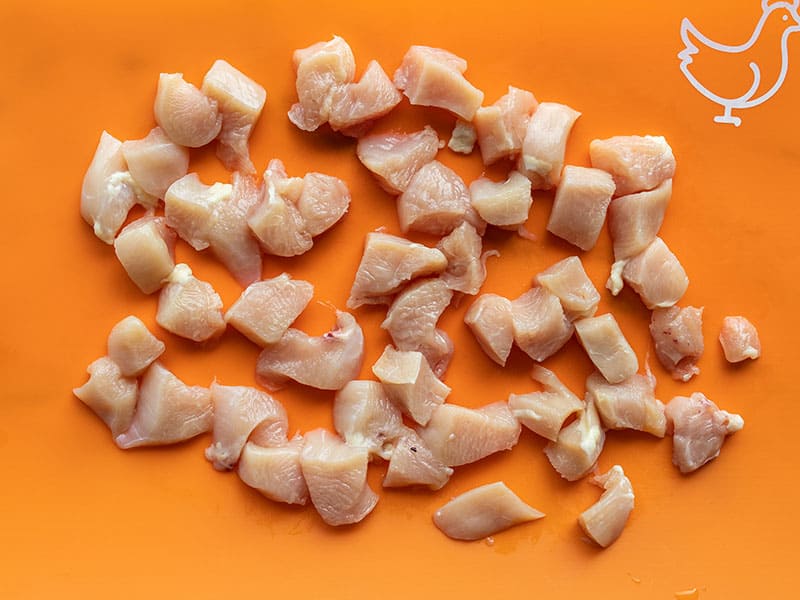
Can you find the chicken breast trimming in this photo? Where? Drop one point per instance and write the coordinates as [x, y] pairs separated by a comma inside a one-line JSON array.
[[545, 144], [567, 279], [580, 205], [607, 347], [465, 270], [146, 250], [189, 307], [630, 404], [575, 451], [637, 163], [504, 204], [656, 275], [604, 520], [463, 137], [678, 337], [540, 326], [501, 127], [110, 394], [133, 347], [275, 471], [187, 115], [394, 158], [491, 321], [545, 412], [739, 339]]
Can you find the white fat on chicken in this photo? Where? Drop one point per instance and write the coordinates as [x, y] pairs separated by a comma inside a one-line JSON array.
[[356, 106], [187, 115], [545, 412], [545, 144], [146, 250], [393, 158], [491, 321], [111, 395], [580, 205], [637, 163], [567, 279], [462, 139], [604, 520], [575, 451], [133, 347], [656, 275], [501, 127], [677, 334], [607, 348], [275, 471], [465, 270], [155, 162], [412, 463], [739, 339], [635, 219], [504, 204], [189, 307], [540, 326], [630, 404]]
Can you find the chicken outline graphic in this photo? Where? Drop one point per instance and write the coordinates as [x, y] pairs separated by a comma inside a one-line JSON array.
[[691, 37]]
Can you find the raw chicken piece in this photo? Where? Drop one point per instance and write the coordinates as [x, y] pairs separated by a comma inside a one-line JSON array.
[[634, 220], [155, 162], [168, 411], [336, 475], [355, 106], [501, 127], [607, 347], [436, 201], [388, 263], [580, 205], [465, 271], [656, 275], [110, 394], [579, 444], [491, 322], [266, 309], [568, 280], [630, 404], [146, 250], [457, 435], [323, 201], [483, 511], [275, 471], [540, 326], [678, 337], [739, 339], [505, 204], [187, 115], [394, 158], [699, 429], [410, 383], [545, 412], [133, 347], [326, 362], [545, 144], [462, 140], [189, 207], [412, 463], [604, 520], [189, 307], [637, 163], [438, 351], [434, 77]]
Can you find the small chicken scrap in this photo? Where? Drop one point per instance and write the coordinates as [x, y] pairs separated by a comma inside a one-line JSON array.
[[501, 127], [393, 158], [133, 347], [187, 115], [545, 412], [607, 347], [146, 250], [540, 326], [739, 339], [629, 404], [637, 163], [678, 336], [491, 320], [189, 307], [466, 268], [567, 279], [155, 162], [275, 471], [578, 445], [604, 520], [545, 144], [504, 204]]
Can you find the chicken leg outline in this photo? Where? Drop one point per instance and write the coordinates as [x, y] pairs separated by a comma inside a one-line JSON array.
[[783, 10]]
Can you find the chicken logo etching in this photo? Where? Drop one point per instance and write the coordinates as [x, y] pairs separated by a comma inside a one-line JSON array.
[[780, 20]]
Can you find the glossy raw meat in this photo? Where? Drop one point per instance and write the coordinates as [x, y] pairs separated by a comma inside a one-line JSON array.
[[580, 205], [355, 106], [739, 339], [110, 394], [187, 115], [189, 207], [189, 307], [133, 347], [462, 140], [545, 412], [501, 127], [545, 144], [637, 163], [567, 279], [275, 471], [146, 250], [604, 520], [323, 201], [491, 321], [656, 275], [504, 204], [465, 270], [634, 220], [394, 158], [155, 162], [575, 451], [678, 337], [630, 404], [607, 347], [412, 463], [540, 326]]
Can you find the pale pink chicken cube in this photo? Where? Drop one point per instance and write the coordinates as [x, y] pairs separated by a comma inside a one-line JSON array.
[[634, 220], [266, 309], [435, 77], [506, 203], [699, 430], [546, 411], [325, 362], [189, 207], [394, 158], [568, 280], [604, 520], [155, 162], [463, 137], [656, 275], [275, 471], [438, 350], [739, 339], [187, 115], [678, 337], [483, 511], [168, 411], [465, 270], [580, 205], [545, 144], [607, 348], [575, 451], [111, 395], [491, 321], [240, 101], [630, 404], [540, 326], [501, 127], [323, 201], [412, 463], [189, 307], [133, 347], [355, 106], [637, 163], [146, 250]]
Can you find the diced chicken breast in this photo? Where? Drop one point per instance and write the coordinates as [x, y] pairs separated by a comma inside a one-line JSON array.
[[575, 451], [656, 275], [699, 429], [355, 106], [607, 347], [540, 326], [504, 204], [678, 337], [545, 144], [155, 162], [630, 404], [110, 394], [336, 475], [187, 115], [462, 140], [412, 463], [438, 351], [275, 471], [567, 279], [457, 435], [580, 205], [146, 250], [326, 362], [465, 270], [545, 412], [189, 307], [323, 201], [501, 127], [739, 339], [388, 263], [168, 411], [637, 163], [133, 347], [604, 520], [189, 206], [394, 158], [434, 77], [491, 321], [266, 309], [634, 220]]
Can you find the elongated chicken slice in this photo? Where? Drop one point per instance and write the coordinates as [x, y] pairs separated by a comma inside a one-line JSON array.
[[739, 339], [580, 205], [168, 411], [465, 270], [189, 206], [146, 250], [110, 394], [504, 204], [240, 101], [187, 115], [637, 163], [607, 348], [678, 337], [394, 158], [634, 219], [457, 435], [545, 144], [630, 404], [567, 279], [412, 463], [326, 362], [699, 430], [323, 201], [491, 321], [545, 412], [388, 263], [575, 451], [604, 520], [275, 471], [463, 137], [540, 326], [355, 106], [410, 383], [133, 347], [501, 127], [266, 309], [435, 77], [656, 275], [155, 162], [336, 475], [189, 307]]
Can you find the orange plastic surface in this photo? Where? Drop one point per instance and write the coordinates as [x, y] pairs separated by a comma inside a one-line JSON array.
[[79, 517]]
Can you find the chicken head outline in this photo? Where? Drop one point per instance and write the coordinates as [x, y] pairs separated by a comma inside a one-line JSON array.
[[693, 40]]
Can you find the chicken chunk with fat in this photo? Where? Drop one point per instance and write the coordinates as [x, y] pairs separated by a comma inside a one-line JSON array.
[[189, 307], [111, 395], [501, 127], [146, 250], [567, 279], [678, 337], [546, 411], [545, 144], [604, 520], [412, 463], [491, 321], [133, 347], [607, 348], [463, 137], [580, 205], [355, 106], [637, 163], [656, 275], [155, 162], [634, 219], [506, 203], [393, 158], [630, 404], [540, 326], [465, 270], [575, 451], [739, 339], [187, 115], [275, 471]]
